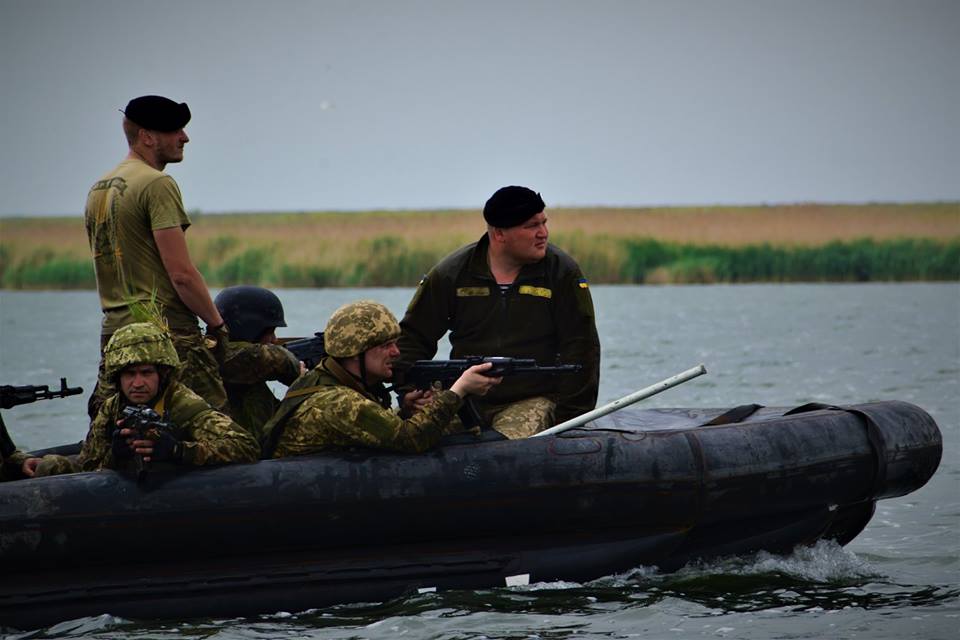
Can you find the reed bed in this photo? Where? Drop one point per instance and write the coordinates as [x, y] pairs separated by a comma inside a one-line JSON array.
[[613, 245]]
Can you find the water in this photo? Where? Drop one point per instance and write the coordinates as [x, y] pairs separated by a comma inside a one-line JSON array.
[[774, 345]]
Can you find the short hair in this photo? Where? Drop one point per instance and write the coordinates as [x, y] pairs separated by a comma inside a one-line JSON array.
[[132, 130]]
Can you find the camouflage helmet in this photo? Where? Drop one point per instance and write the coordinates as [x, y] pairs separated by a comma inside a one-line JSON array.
[[141, 342], [356, 327], [249, 311]]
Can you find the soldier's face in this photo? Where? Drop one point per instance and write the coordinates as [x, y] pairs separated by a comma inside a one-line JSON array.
[[140, 382], [527, 243], [169, 145], [269, 337], [380, 359]]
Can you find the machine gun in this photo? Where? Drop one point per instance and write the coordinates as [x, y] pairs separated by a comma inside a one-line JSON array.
[[424, 373], [11, 396], [146, 424], [309, 350]]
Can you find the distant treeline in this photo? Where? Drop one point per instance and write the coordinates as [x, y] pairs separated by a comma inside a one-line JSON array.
[[803, 243]]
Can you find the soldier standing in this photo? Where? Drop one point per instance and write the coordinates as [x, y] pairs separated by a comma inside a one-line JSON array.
[[135, 223], [343, 403]]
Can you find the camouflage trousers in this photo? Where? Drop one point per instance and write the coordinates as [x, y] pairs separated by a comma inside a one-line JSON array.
[[199, 371], [516, 420]]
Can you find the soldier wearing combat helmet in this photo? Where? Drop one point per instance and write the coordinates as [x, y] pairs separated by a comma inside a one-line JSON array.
[[342, 402], [141, 360], [253, 355]]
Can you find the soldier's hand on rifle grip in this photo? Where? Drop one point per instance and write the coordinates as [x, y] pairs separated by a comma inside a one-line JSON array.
[[120, 442], [414, 401], [475, 381], [166, 447]]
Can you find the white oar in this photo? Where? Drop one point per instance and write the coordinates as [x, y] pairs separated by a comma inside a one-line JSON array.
[[636, 396]]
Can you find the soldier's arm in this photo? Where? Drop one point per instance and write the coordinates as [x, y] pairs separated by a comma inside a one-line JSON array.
[[578, 344], [249, 363], [95, 454], [216, 439], [186, 279], [426, 320], [363, 423]]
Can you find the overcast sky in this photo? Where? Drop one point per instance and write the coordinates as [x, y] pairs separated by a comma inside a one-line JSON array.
[[358, 104]]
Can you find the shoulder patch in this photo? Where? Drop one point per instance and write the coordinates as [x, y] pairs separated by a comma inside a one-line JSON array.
[[582, 283], [540, 292]]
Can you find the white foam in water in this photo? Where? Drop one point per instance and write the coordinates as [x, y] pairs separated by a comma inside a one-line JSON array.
[[825, 561]]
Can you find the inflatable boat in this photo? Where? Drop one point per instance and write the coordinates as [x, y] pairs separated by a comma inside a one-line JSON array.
[[655, 487]]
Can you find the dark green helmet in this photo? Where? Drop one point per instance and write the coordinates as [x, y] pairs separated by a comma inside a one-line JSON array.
[[356, 327], [249, 311], [138, 343]]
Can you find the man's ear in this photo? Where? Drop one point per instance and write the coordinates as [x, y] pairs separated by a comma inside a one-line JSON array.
[[146, 138], [496, 234]]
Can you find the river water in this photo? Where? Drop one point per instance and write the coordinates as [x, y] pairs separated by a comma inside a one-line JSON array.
[[770, 344]]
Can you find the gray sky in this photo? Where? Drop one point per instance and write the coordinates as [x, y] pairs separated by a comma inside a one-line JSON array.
[[359, 104]]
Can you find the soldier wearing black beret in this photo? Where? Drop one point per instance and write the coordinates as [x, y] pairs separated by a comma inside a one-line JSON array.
[[136, 223], [511, 293]]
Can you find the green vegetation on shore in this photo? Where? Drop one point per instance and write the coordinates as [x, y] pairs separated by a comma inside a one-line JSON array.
[[801, 243]]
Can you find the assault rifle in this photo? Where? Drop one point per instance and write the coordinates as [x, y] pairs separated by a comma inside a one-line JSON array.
[[309, 350], [146, 425], [11, 396], [424, 373]]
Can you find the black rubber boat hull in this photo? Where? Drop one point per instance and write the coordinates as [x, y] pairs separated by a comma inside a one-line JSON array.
[[635, 488]]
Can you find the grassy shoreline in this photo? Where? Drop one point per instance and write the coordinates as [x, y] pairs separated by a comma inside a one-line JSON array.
[[786, 243]]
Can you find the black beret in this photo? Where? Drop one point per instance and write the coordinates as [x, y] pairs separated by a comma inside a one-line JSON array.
[[158, 113], [511, 206]]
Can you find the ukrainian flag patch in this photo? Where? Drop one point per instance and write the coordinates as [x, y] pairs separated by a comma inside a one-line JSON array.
[[582, 283]]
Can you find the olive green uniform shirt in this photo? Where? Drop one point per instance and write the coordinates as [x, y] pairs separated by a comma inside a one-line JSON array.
[[208, 436], [338, 413], [545, 314], [123, 210]]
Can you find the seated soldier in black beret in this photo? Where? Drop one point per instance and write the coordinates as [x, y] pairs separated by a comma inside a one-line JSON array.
[[513, 294]]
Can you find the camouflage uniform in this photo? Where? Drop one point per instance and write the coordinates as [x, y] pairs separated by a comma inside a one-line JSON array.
[[245, 371], [328, 408], [12, 466], [206, 436], [546, 314], [340, 413]]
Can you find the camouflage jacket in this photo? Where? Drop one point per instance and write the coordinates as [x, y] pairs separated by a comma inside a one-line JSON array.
[[246, 369], [208, 436], [338, 413], [546, 314], [11, 469]]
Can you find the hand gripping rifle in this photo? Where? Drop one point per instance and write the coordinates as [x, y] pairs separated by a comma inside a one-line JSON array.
[[424, 373], [147, 424], [309, 350], [11, 396]]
